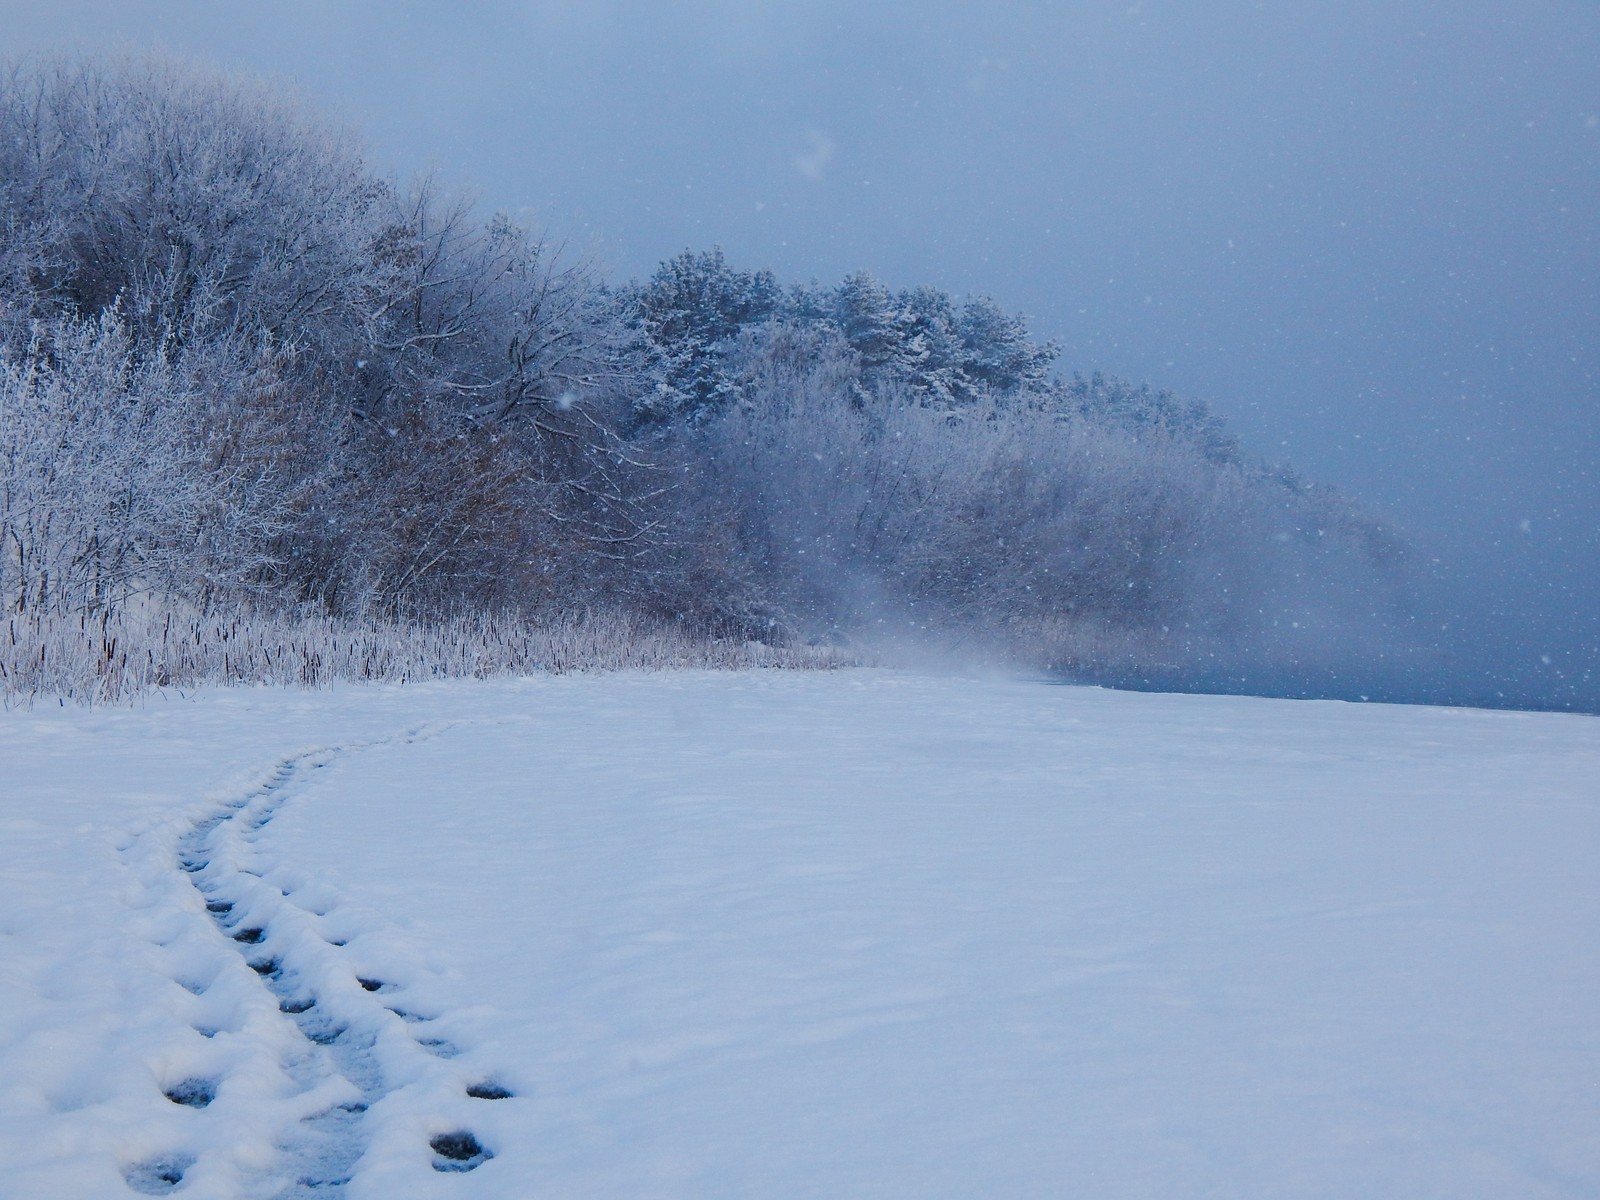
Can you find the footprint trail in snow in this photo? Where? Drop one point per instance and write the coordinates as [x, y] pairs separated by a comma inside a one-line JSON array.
[[361, 1051]]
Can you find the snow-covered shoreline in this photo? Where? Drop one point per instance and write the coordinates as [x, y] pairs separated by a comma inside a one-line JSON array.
[[853, 933]]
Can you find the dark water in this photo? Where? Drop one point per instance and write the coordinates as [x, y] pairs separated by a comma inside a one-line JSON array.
[[1376, 687]]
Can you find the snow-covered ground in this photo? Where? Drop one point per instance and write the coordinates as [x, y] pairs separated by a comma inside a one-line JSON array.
[[797, 935]]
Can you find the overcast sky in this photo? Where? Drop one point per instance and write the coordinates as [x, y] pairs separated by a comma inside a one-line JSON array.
[[1367, 232]]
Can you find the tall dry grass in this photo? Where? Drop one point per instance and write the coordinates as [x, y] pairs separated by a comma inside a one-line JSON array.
[[109, 658]]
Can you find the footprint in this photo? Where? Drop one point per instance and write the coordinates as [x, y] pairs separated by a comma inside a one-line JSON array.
[[193, 1093], [489, 1090], [158, 1176], [458, 1151]]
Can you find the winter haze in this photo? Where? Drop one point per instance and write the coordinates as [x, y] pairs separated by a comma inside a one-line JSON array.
[[1365, 233]]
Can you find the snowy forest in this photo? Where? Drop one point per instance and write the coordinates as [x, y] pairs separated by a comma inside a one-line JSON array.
[[247, 381]]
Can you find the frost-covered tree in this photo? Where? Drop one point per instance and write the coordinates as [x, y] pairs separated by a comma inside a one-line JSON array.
[[997, 352], [193, 202], [452, 386], [125, 472], [917, 343], [872, 325], [690, 310], [1142, 410]]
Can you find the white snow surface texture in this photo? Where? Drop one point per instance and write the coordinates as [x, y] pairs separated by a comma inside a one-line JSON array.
[[855, 934]]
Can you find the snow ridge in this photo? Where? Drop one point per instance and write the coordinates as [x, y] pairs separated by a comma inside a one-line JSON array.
[[366, 1073]]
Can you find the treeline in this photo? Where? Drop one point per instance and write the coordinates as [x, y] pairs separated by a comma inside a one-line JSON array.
[[238, 367]]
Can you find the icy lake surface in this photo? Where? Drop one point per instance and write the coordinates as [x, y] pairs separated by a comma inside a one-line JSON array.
[[858, 934]]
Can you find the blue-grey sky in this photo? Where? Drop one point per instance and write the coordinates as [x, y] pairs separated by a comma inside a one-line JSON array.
[[1367, 232]]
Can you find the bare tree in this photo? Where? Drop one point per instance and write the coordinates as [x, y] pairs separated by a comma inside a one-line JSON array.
[[114, 481], [190, 200]]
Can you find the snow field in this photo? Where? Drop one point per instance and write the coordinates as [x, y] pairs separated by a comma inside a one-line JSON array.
[[798, 935], [141, 1051]]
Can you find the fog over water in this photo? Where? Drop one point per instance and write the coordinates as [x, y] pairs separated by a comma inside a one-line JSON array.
[[1367, 233]]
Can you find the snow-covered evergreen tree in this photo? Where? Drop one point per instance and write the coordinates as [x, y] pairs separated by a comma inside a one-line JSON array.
[[690, 310]]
